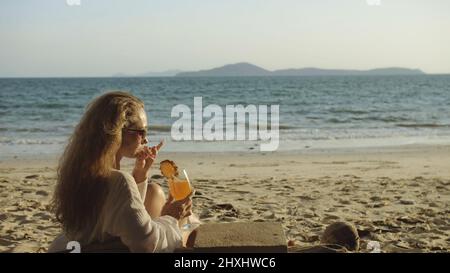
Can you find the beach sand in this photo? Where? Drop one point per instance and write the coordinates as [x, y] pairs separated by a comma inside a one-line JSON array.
[[398, 196]]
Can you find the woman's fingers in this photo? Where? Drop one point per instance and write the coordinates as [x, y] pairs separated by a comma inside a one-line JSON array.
[[140, 154], [186, 211], [145, 154], [147, 151], [185, 202], [160, 144], [148, 163], [181, 208], [169, 198], [189, 213], [153, 152]]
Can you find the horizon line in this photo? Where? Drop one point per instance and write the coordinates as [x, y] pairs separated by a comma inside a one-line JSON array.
[[179, 71], [174, 76]]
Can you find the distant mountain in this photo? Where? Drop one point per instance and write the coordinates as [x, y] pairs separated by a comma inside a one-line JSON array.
[[230, 70], [247, 69], [395, 71]]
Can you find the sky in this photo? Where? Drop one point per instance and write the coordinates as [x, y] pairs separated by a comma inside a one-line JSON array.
[[58, 38]]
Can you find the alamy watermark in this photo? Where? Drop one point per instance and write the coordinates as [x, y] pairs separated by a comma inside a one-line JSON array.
[[373, 2], [73, 2], [227, 124], [74, 246]]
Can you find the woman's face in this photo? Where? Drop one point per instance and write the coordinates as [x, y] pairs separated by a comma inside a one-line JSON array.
[[134, 136]]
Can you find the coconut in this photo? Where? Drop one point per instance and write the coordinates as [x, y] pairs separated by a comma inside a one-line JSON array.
[[342, 234]]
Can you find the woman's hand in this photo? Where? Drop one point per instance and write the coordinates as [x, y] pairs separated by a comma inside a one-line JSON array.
[[178, 209], [144, 160]]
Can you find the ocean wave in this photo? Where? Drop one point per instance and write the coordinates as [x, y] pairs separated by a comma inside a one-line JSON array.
[[286, 127], [30, 141], [424, 125], [336, 120], [160, 128], [168, 128], [30, 130], [269, 126], [36, 129], [389, 119], [349, 111], [54, 105]]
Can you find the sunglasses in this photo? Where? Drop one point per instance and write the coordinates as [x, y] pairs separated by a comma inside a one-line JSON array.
[[141, 132]]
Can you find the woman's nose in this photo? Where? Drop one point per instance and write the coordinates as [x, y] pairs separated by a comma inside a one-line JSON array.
[[145, 140]]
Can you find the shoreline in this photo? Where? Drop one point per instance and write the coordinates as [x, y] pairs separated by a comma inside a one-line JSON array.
[[406, 152], [27, 151]]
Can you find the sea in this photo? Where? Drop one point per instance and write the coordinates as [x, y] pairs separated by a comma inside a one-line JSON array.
[[37, 115]]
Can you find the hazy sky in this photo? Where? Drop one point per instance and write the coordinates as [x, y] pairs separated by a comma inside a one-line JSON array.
[[104, 37]]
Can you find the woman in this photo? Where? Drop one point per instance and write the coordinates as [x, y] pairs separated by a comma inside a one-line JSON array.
[[95, 201]]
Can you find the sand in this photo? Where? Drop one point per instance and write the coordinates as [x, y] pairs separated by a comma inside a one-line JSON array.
[[398, 196]]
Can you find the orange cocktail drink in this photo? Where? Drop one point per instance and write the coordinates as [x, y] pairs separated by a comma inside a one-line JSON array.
[[179, 189]]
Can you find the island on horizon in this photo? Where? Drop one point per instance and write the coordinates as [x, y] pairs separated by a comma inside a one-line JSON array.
[[244, 69], [248, 69]]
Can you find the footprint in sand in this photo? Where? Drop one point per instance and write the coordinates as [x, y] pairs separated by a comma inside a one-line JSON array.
[[309, 215], [344, 202], [43, 216], [205, 180], [306, 197], [206, 214], [4, 242], [43, 193], [406, 202], [238, 191], [376, 198], [348, 189], [3, 217]]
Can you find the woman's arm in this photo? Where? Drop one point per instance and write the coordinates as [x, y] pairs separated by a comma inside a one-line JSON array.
[[130, 221]]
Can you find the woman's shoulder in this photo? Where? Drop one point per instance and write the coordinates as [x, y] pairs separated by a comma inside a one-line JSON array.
[[122, 179], [120, 175]]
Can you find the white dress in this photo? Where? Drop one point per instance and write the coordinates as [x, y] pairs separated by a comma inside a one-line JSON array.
[[124, 216]]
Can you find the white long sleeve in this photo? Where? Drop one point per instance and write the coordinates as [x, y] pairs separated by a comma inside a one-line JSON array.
[[142, 186], [125, 216]]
